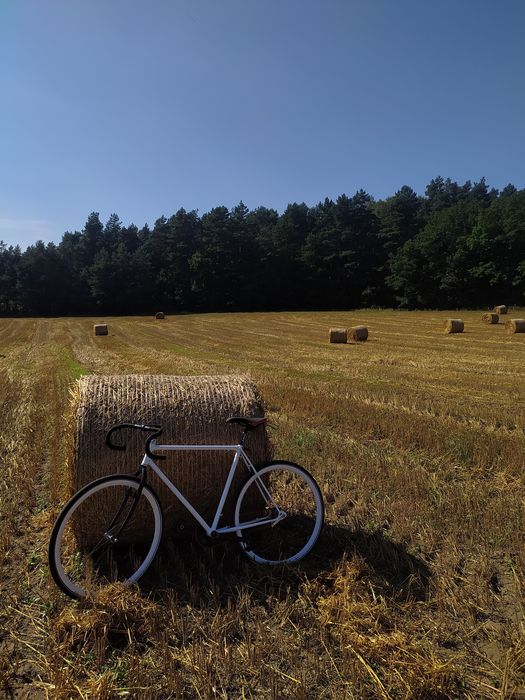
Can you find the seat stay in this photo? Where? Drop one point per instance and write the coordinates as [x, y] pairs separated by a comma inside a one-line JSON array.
[[266, 495]]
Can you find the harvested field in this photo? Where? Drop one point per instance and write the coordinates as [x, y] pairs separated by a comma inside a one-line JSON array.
[[416, 589]]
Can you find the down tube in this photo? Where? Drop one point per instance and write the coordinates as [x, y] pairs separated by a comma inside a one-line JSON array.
[[181, 498], [185, 501]]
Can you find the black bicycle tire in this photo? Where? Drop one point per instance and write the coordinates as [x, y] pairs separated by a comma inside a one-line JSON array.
[[271, 463], [67, 508]]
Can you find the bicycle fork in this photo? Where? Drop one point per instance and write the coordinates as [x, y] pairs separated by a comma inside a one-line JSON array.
[[109, 538]]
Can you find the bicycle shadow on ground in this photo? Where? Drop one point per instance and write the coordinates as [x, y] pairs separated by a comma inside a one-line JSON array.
[[200, 574]]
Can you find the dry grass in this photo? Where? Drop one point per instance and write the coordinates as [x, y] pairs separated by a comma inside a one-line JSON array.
[[416, 588]]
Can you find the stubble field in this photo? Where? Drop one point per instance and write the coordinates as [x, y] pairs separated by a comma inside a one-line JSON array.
[[416, 587]]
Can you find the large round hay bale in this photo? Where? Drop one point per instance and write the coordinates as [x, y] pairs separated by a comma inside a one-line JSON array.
[[338, 335], [502, 309], [159, 314], [454, 325], [100, 329], [191, 410], [358, 333], [490, 318], [515, 325]]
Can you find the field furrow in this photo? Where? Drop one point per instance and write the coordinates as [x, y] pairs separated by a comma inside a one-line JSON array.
[[416, 588]]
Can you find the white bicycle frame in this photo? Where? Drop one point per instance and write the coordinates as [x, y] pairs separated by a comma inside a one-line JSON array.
[[212, 530]]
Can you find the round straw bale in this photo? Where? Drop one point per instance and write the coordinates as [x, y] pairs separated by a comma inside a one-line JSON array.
[[454, 325], [159, 314], [100, 329], [338, 335], [515, 325], [359, 333], [490, 318], [191, 410], [502, 309]]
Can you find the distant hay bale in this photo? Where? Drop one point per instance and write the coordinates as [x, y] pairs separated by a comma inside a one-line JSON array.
[[502, 309], [191, 410], [338, 335], [490, 318], [515, 325], [454, 325], [100, 329], [358, 333], [159, 314]]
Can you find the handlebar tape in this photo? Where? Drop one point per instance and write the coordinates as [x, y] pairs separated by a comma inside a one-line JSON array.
[[155, 429]]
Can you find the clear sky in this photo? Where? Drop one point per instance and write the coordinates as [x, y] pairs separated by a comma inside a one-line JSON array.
[[140, 107]]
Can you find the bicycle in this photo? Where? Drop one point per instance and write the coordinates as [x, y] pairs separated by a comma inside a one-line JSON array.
[[277, 518]]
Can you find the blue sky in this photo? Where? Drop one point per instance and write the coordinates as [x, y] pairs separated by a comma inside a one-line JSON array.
[[141, 107]]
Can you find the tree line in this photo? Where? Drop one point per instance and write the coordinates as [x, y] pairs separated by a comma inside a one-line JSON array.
[[456, 246]]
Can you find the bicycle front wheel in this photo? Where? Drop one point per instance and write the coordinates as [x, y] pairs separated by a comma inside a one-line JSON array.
[[90, 541], [279, 513]]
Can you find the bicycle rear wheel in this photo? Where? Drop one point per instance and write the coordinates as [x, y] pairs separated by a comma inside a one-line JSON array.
[[289, 496], [89, 545]]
